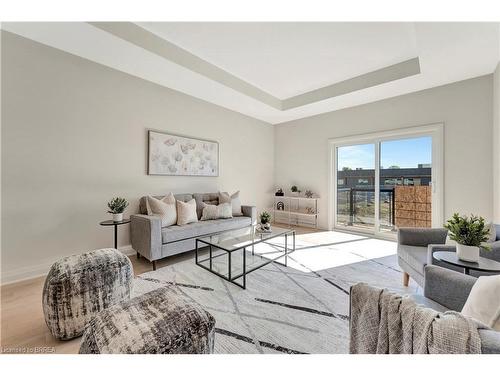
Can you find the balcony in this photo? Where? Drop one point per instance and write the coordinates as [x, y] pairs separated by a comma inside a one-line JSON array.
[[400, 206]]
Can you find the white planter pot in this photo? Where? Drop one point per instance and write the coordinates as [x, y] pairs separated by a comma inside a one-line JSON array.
[[468, 253], [118, 217]]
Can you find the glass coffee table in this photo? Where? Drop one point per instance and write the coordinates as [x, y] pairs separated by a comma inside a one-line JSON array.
[[233, 254]]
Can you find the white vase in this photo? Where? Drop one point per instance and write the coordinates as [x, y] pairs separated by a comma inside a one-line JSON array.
[[118, 217], [468, 253]]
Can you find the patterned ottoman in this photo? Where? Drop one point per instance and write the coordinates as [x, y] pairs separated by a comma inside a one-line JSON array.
[[158, 322], [79, 286]]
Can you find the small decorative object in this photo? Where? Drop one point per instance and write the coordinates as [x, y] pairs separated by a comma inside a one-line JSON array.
[[470, 234], [172, 155], [116, 207], [280, 206], [295, 190], [310, 210], [265, 219], [279, 192], [308, 194]]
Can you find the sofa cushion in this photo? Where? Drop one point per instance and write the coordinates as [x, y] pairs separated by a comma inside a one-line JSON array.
[[208, 198], [483, 301], [234, 200], [184, 197], [186, 212], [415, 256], [164, 208], [201, 228], [212, 212]]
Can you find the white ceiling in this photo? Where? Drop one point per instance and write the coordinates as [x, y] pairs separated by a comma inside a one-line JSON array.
[[287, 59]]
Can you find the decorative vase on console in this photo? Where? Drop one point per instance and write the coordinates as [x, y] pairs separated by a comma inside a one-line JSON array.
[[116, 207], [470, 235]]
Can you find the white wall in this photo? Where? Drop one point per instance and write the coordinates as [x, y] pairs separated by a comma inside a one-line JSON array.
[[496, 144], [74, 135], [465, 108]]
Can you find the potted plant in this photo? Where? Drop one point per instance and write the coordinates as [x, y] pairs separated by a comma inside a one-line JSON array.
[[470, 234], [116, 207], [279, 192], [265, 221], [295, 190]]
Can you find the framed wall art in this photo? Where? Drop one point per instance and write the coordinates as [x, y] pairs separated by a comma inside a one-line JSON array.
[[174, 155]]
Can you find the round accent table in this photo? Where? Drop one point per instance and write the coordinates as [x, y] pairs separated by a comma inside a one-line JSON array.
[[108, 223], [484, 264]]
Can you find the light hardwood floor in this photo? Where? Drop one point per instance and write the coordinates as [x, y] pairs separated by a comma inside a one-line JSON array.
[[22, 323], [23, 326]]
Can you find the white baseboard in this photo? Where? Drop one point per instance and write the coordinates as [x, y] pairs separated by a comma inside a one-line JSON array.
[[32, 272]]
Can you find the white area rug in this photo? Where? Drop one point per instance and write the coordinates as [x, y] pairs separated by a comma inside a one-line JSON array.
[[302, 308]]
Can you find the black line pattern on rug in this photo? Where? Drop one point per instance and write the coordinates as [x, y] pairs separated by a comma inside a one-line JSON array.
[[335, 285], [318, 275], [306, 309], [303, 288], [238, 312], [247, 315], [175, 283], [263, 344]]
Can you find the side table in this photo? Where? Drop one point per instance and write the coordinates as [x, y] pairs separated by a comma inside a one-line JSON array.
[[108, 223]]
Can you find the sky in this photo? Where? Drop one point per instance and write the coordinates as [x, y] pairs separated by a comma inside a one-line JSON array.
[[406, 153]]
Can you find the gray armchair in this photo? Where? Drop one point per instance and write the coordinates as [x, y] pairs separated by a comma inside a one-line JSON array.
[[414, 252], [417, 245], [448, 290]]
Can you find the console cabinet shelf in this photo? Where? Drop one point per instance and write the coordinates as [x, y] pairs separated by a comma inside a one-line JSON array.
[[295, 210]]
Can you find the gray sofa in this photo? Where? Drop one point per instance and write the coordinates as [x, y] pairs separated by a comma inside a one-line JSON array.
[[416, 246], [444, 290], [153, 242]]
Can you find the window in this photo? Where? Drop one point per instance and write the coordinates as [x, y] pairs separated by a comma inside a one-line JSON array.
[[340, 182]]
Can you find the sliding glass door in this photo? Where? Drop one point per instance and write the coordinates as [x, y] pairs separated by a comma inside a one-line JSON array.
[[356, 186], [384, 183]]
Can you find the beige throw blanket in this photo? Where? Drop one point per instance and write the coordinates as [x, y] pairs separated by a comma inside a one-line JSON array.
[[385, 322]]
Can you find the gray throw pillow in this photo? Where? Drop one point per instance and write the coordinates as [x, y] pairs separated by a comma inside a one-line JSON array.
[[212, 212]]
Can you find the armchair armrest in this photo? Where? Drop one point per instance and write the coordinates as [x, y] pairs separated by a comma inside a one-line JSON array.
[[431, 249], [446, 287], [145, 235], [251, 212], [421, 236]]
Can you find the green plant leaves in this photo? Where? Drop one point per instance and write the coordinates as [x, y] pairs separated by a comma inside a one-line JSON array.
[[469, 231], [117, 205]]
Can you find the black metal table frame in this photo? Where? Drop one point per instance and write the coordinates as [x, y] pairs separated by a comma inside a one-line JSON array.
[[229, 277]]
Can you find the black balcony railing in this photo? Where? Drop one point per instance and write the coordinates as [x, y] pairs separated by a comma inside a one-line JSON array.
[[357, 205]]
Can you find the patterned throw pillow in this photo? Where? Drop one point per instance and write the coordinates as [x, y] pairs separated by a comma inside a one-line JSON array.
[[233, 199], [212, 212], [186, 212], [164, 208]]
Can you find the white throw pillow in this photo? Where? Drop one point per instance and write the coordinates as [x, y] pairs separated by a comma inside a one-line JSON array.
[[212, 212], [483, 303], [186, 212], [234, 199], [164, 208]]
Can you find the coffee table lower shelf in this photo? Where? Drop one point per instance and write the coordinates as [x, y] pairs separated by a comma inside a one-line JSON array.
[[229, 252]]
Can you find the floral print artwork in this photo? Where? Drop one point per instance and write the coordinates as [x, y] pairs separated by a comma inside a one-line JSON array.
[[180, 156]]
